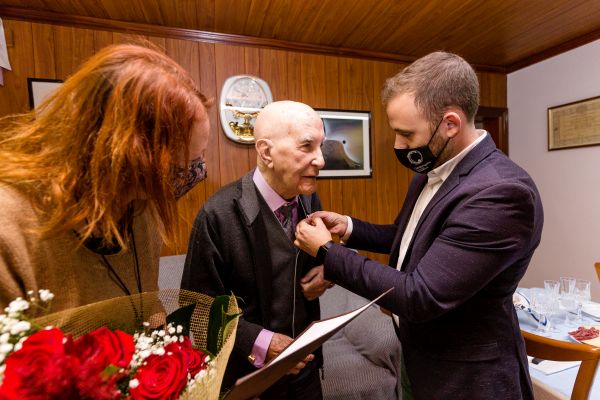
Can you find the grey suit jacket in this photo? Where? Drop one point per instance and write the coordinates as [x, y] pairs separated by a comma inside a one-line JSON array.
[[459, 330], [229, 253]]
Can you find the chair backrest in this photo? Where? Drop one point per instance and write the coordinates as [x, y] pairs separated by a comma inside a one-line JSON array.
[[558, 350], [597, 265]]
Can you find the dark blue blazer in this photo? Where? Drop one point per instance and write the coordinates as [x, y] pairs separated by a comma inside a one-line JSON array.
[[459, 330]]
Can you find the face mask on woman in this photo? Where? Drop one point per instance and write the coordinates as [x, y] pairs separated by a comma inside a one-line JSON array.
[[190, 177]]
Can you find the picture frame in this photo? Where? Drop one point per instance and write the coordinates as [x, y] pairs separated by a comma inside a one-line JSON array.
[[347, 144], [575, 124], [39, 89]]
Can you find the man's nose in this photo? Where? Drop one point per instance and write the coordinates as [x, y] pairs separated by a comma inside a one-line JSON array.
[[319, 160], [400, 142]]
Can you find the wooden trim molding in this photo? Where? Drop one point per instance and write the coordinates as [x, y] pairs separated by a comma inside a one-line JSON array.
[[50, 17]]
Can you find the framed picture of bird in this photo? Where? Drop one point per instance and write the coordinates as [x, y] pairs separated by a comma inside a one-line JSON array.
[[346, 148]]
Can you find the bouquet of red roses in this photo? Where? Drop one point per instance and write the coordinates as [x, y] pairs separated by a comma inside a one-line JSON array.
[[58, 362]]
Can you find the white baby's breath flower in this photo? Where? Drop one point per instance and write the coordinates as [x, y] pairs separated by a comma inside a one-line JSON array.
[[5, 348], [20, 327], [4, 338], [160, 351], [18, 346], [179, 329], [45, 295], [133, 383], [17, 306]]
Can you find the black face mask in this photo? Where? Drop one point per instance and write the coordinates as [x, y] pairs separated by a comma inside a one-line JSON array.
[[420, 159]]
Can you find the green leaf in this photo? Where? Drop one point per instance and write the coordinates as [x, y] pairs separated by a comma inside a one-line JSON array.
[[217, 322], [182, 316]]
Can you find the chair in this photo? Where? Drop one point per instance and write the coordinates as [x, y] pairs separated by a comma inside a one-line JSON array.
[[597, 265], [558, 350]]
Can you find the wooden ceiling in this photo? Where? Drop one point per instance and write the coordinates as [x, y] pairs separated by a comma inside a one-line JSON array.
[[500, 35]]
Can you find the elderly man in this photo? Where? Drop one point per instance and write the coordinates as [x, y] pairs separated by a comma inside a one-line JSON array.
[[242, 242], [463, 239]]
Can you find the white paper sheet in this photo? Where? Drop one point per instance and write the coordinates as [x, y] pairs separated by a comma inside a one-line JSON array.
[[549, 367], [322, 328]]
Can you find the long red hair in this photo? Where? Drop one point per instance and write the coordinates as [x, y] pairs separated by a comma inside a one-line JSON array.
[[112, 133]]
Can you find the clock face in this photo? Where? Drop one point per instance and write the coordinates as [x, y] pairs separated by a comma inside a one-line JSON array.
[[246, 92], [242, 98]]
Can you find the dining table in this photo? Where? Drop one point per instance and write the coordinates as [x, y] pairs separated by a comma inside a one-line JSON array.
[[562, 381]]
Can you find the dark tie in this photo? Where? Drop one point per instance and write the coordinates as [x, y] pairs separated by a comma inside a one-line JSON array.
[[286, 217]]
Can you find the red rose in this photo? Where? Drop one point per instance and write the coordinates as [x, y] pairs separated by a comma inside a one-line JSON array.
[[161, 377], [196, 360], [41, 369], [102, 347]]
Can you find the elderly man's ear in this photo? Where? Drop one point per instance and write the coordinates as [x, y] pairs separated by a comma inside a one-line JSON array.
[[263, 148]]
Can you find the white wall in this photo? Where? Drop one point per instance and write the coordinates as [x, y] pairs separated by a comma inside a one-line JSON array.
[[568, 179]]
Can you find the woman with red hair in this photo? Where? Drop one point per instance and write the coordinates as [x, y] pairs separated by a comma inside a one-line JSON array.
[[89, 179]]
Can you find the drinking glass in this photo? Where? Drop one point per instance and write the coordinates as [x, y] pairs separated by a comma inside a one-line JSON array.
[[540, 304], [583, 295], [552, 288], [567, 298]]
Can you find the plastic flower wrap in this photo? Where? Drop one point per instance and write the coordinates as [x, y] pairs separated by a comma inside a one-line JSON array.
[[171, 344]]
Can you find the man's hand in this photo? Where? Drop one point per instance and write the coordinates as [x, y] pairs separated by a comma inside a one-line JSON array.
[[314, 283], [312, 233], [336, 223], [280, 342]]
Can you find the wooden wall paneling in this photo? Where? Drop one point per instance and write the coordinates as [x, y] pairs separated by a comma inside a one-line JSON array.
[[159, 42], [43, 51], [353, 96], [14, 95], [208, 87], [233, 157], [313, 81], [252, 67], [392, 178], [64, 51], [274, 70], [186, 54], [102, 39], [294, 76], [331, 189], [492, 87]]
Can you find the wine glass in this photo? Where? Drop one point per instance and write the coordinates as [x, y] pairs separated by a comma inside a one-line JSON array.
[[583, 295]]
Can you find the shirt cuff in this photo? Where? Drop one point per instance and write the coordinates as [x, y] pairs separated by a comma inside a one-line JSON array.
[[259, 350], [348, 232]]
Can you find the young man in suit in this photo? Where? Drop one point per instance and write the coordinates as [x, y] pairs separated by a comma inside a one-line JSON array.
[[463, 239], [242, 243]]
